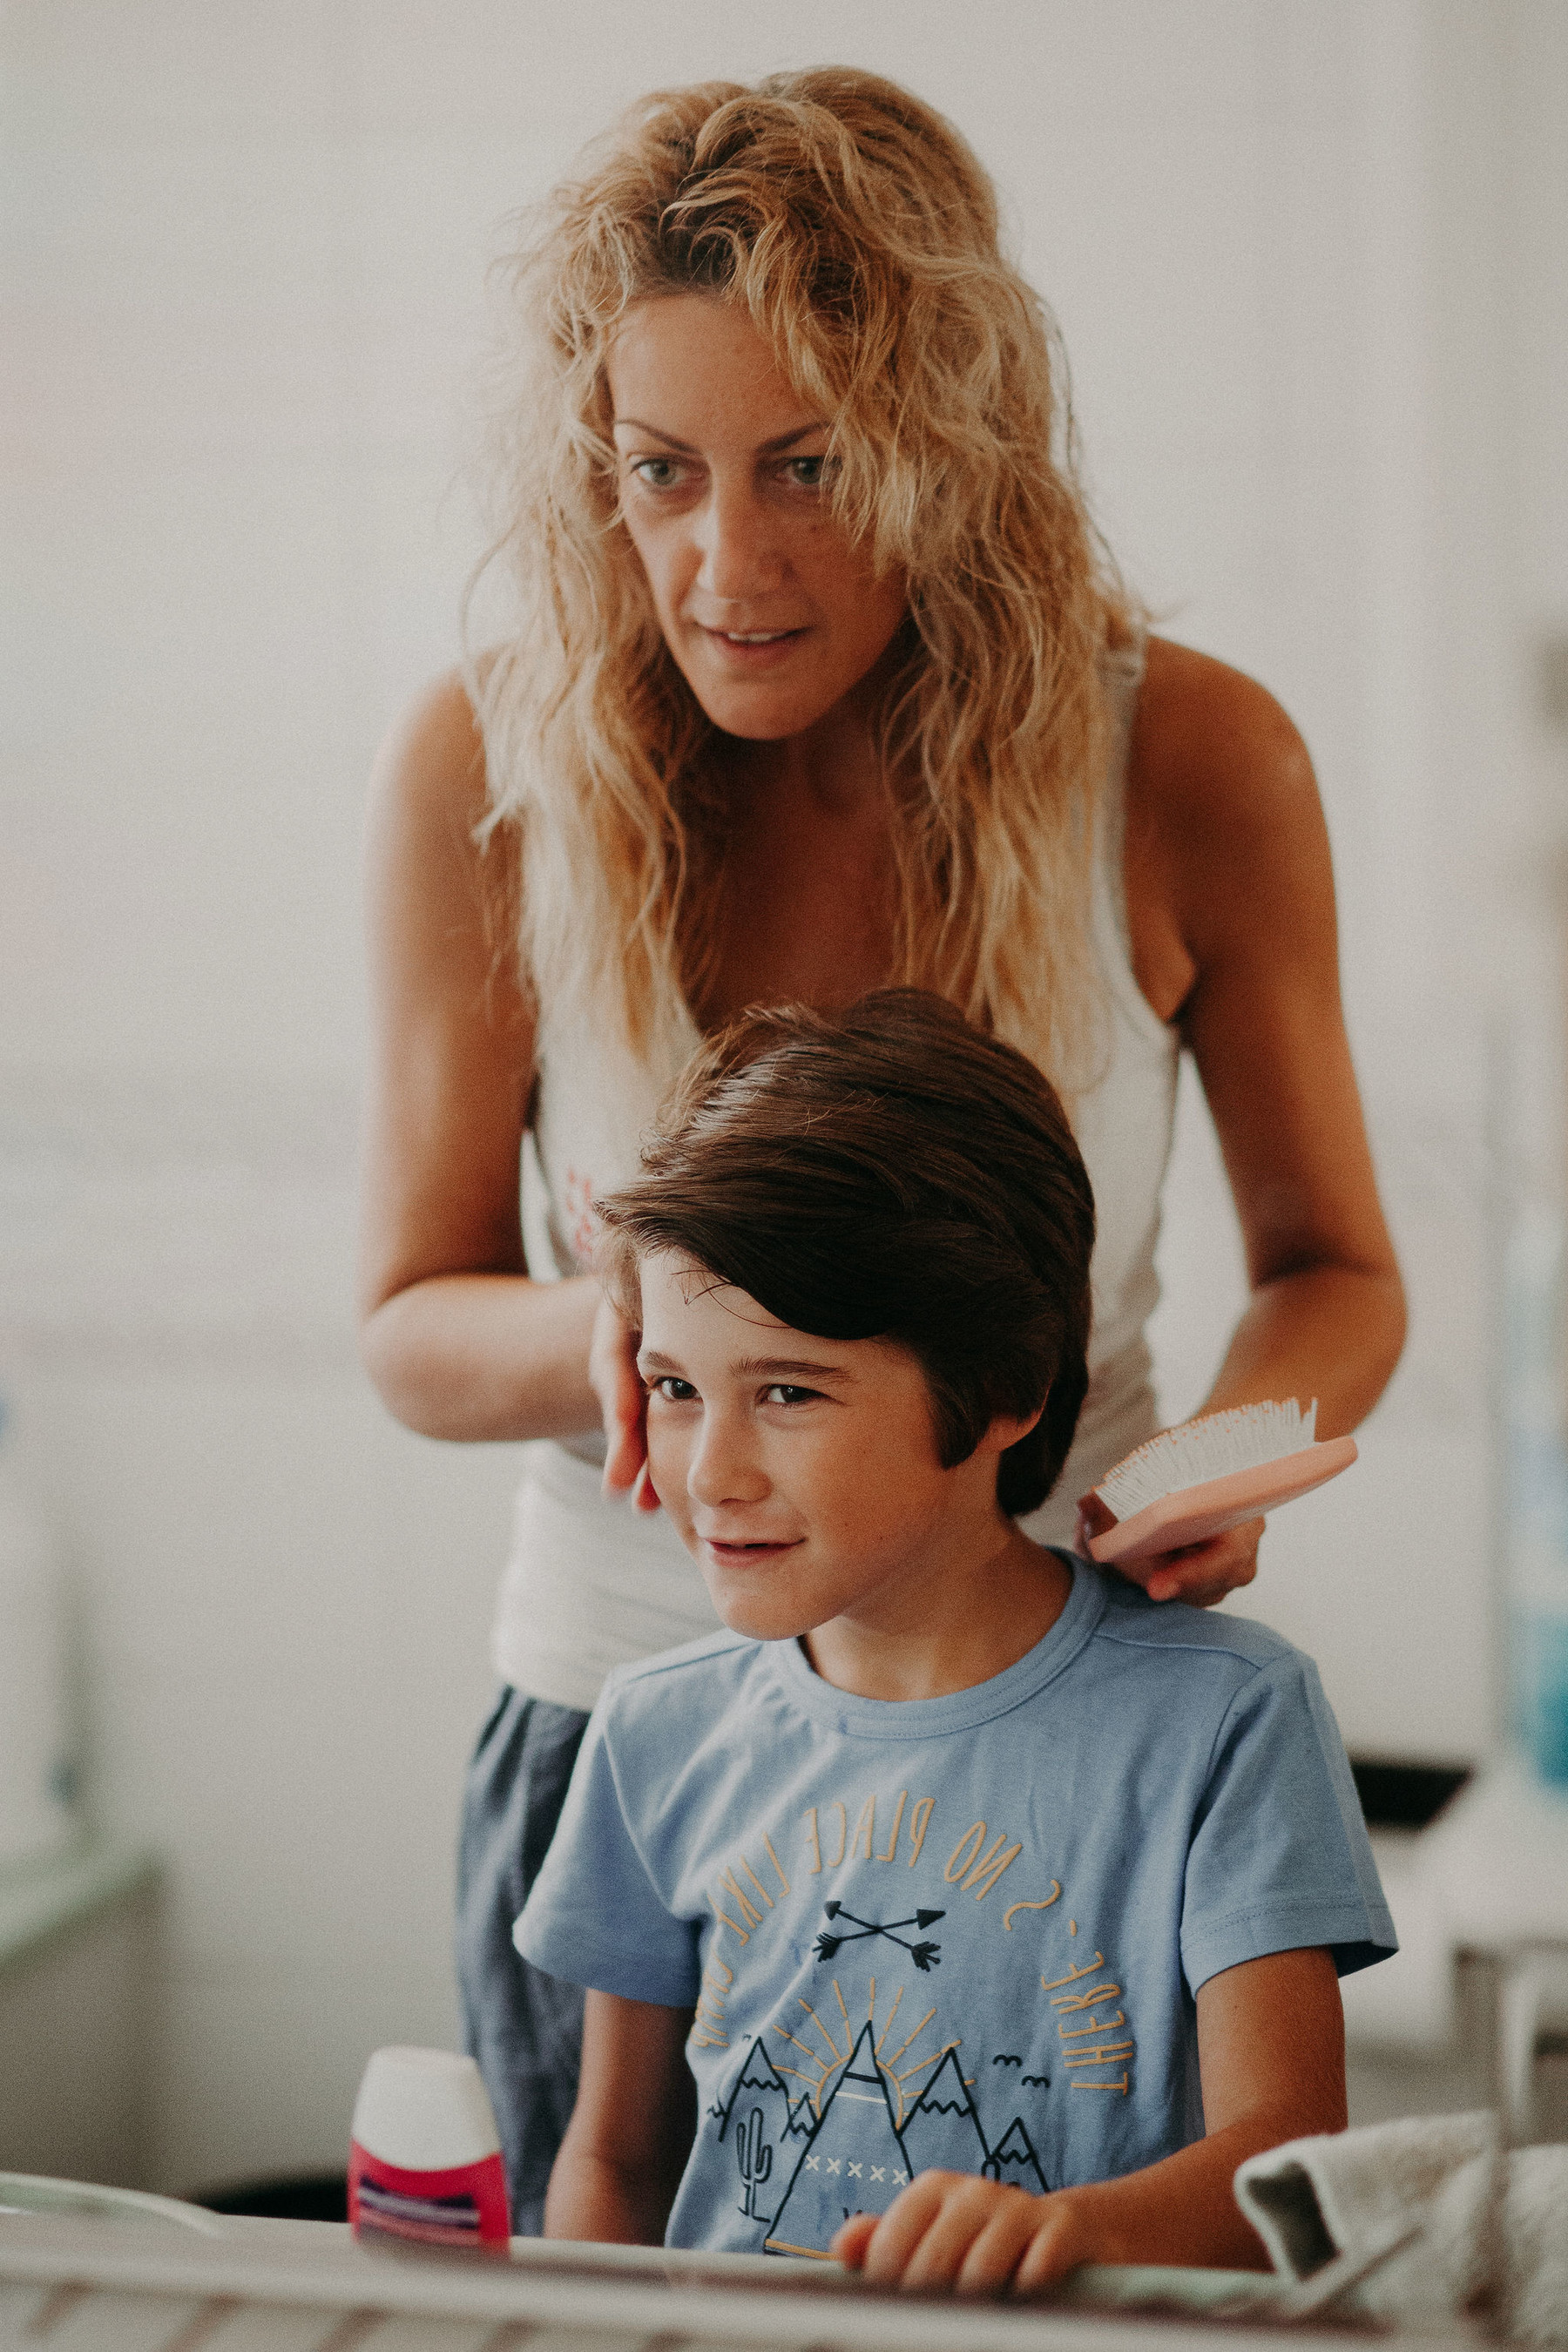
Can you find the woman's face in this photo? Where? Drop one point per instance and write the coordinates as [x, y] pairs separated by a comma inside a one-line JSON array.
[[771, 612]]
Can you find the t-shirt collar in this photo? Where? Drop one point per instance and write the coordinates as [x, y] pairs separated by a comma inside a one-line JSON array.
[[931, 1719]]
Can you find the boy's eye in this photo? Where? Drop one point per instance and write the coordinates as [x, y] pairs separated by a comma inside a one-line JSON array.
[[782, 1392], [672, 1390]]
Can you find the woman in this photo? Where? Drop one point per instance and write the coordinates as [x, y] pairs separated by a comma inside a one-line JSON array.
[[820, 682]]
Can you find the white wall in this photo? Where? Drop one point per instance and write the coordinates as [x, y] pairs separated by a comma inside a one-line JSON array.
[[1305, 262]]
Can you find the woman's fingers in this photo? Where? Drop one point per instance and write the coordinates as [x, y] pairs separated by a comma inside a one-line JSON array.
[[1203, 1573], [1199, 1573], [623, 1402], [645, 1496]]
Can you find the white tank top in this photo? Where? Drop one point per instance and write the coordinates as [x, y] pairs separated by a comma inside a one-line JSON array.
[[592, 1584]]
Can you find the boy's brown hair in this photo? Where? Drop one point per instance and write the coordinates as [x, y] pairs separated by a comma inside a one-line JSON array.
[[889, 1173]]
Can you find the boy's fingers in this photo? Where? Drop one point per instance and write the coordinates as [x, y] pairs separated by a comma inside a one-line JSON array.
[[955, 2232], [850, 2243], [952, 2230], [993, 2260], [1053, 2250], [977, 2236], [893, 2241]]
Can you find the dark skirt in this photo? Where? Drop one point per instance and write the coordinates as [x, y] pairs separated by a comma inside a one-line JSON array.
[[525, 2028]]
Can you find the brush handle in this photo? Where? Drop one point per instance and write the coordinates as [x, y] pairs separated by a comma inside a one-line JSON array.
[[1190, 1515]]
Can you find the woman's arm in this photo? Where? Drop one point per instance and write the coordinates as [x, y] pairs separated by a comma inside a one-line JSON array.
[[1271, 2051], [458, 1340], [1231, 908], [631, 2130]]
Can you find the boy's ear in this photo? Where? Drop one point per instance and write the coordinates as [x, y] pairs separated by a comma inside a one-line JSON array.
[[1007, 1428]]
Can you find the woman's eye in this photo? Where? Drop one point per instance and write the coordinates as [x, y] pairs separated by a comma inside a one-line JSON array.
[[807, 473], [657, 473], [781, 1392], [674, 1391]]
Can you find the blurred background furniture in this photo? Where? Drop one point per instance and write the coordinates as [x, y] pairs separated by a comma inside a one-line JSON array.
[[77, 2031]]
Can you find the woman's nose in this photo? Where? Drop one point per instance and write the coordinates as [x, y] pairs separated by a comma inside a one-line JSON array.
[[741, 560], [724, 1467]]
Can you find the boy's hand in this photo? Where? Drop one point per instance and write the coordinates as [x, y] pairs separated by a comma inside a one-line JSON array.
[[978, 2237], [1271, 2051]]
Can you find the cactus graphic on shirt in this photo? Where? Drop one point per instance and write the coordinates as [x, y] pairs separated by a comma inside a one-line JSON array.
[[755, 2159]]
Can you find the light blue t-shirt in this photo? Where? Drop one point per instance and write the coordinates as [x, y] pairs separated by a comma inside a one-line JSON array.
[[963, 1932]]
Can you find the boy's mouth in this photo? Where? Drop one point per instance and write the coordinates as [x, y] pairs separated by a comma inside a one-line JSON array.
[[747, 1551]]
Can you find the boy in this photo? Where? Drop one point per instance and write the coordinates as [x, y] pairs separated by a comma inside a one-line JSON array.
[[959, 1913]]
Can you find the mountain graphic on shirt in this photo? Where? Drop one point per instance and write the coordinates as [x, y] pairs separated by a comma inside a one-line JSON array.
[[1012, 2160], [852, 2163], [760, 2081], [756, 2116], [941, 2130]]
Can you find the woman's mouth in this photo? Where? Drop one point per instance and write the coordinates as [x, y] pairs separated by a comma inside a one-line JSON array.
[[752, 648]]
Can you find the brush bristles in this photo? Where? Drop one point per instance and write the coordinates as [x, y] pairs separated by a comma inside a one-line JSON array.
[[1241, 1439]]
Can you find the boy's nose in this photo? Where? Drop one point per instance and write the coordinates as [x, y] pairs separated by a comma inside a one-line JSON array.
[[724, 1469]]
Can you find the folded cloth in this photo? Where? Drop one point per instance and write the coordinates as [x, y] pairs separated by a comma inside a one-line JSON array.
[[1490, 2229]]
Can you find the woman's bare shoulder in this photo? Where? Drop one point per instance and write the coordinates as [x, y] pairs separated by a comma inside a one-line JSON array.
[[443, 897], [1210, 741], [1225, 841], [433, 754]]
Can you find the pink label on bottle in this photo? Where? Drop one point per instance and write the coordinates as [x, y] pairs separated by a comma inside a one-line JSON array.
[[465, 2205]]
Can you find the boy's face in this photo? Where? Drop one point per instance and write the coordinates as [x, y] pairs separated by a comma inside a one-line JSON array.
[[801, 1472]]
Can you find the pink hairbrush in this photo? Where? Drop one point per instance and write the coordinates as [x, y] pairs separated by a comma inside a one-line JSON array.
[[1195, 1481]]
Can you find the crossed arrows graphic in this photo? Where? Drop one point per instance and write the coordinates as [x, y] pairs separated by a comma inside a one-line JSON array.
[[924, 1955]]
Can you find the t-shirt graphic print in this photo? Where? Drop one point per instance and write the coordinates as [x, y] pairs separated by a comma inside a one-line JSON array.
[[853, 2144], [834, 2108], [964, 1933]]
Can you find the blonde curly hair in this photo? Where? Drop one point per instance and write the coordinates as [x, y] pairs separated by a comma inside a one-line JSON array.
[[859, 232]]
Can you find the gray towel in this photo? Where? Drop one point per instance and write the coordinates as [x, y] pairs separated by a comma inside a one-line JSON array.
[[1491, 2231]]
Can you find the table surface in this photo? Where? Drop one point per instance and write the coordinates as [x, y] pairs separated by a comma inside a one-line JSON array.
[[138, 2275]]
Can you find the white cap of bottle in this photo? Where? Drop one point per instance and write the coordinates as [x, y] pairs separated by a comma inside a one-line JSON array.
[[424, 2110]]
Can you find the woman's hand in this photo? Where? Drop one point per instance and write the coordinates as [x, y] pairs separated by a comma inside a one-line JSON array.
[[1200, 1573], [623, 1401], [977, 2237]]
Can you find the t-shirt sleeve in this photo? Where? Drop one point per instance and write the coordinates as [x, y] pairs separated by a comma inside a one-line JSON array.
[[1281, 1858], [595, 1915]]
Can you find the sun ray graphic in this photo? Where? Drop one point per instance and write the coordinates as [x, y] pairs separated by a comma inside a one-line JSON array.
[[825, 2069]]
